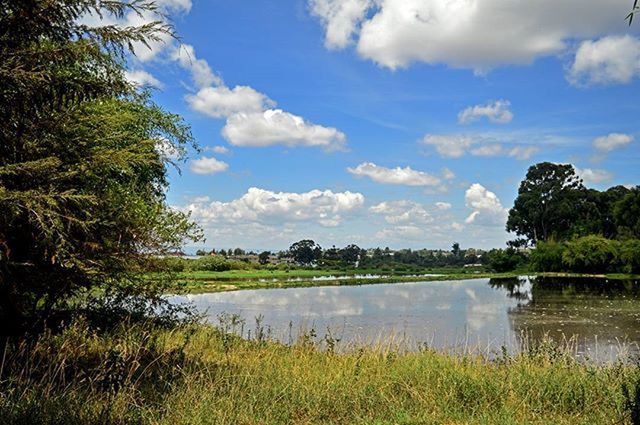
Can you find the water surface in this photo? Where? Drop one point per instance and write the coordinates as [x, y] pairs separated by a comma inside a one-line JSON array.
[[602, 318]]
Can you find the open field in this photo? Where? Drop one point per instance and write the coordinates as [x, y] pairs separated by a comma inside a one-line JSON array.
[[200, 375]]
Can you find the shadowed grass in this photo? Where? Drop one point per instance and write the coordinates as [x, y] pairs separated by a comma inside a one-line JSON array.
[[200, 375]]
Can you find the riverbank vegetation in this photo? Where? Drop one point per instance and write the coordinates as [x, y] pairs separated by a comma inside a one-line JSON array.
[[190, 374]]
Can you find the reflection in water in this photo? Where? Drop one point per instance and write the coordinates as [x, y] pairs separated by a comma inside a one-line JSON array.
[[602, 316], [485, 314]]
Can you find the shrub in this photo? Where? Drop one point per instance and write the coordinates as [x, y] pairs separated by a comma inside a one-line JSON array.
[[505, 260], [591, 254], [547, 257], [629, 256], [211, 264]]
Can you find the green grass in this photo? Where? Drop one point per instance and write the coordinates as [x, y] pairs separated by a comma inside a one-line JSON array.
[[198, 375], [233, 280]]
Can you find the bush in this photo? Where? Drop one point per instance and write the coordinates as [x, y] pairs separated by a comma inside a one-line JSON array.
[[547, 257], [629, 256], [505, 260], [591, 254], [211, 264]]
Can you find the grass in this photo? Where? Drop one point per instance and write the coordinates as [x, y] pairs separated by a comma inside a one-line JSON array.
[[200, 375], [204, 281]]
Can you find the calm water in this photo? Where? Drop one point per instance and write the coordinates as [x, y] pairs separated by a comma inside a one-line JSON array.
[[603, 317]]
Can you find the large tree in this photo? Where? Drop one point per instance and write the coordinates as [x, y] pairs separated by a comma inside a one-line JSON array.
[[83, 158], [305, 251], [549, 201]]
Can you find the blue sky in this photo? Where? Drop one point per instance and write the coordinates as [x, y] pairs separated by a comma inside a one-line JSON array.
[[401, 123]]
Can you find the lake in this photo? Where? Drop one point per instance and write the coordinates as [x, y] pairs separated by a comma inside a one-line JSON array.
[[599, 318]]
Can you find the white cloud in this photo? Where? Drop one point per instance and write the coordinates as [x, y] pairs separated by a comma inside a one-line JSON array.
[[400, 176], [471, 33], [340, 19], [488, 150], [142, 78], [200, 70], [497, 112], [456, 146], [447, 174], [250, 121], [523, 152], [591, 176], [401, 233], [397, 212], [222, 102], [264, 206], [609, 60], [220, 150], [207, 165], [612, 142], [277, 127], [487, 208], [443, 206], [450, 146]]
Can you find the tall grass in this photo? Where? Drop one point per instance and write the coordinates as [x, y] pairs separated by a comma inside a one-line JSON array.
[[139, 373]]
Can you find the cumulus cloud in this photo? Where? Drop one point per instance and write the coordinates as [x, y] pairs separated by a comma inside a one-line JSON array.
[[398, 212], [264, 206], [443, 206], [456, 146], [474, 34], [400, 176], [277, 127], [207, 165], [142, 78], [487, 208], [201, 73], [609, 60], [497, 112], [612, 142], [340, 19], [222, 102], [250, 117], [591, 176]]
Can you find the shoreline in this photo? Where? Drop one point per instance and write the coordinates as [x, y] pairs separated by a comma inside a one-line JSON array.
[[226, 284]]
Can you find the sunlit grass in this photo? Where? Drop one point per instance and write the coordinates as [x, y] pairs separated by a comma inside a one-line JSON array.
[[200, 375]]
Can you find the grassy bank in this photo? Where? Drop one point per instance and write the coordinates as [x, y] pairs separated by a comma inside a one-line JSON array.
[[198, 375], [233, 280]]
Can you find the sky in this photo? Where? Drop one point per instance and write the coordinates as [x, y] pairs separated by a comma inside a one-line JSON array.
[[400, 123]]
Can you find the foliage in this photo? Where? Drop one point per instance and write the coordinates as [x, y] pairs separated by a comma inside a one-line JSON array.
[[263, 257], [305, 252], [547, 256], [626, 214], [196, 375], [590, 254], [82, 159], [629, 256], [505, 260], [547, 203], [215, 263]]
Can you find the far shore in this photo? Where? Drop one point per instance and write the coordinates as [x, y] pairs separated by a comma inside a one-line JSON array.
[[237, 280]]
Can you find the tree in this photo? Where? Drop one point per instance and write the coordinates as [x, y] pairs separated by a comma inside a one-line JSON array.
[[626, 214], [455, 249], [305, 251], [549, 200], [83, 168], [263, 257], [350, 254]]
